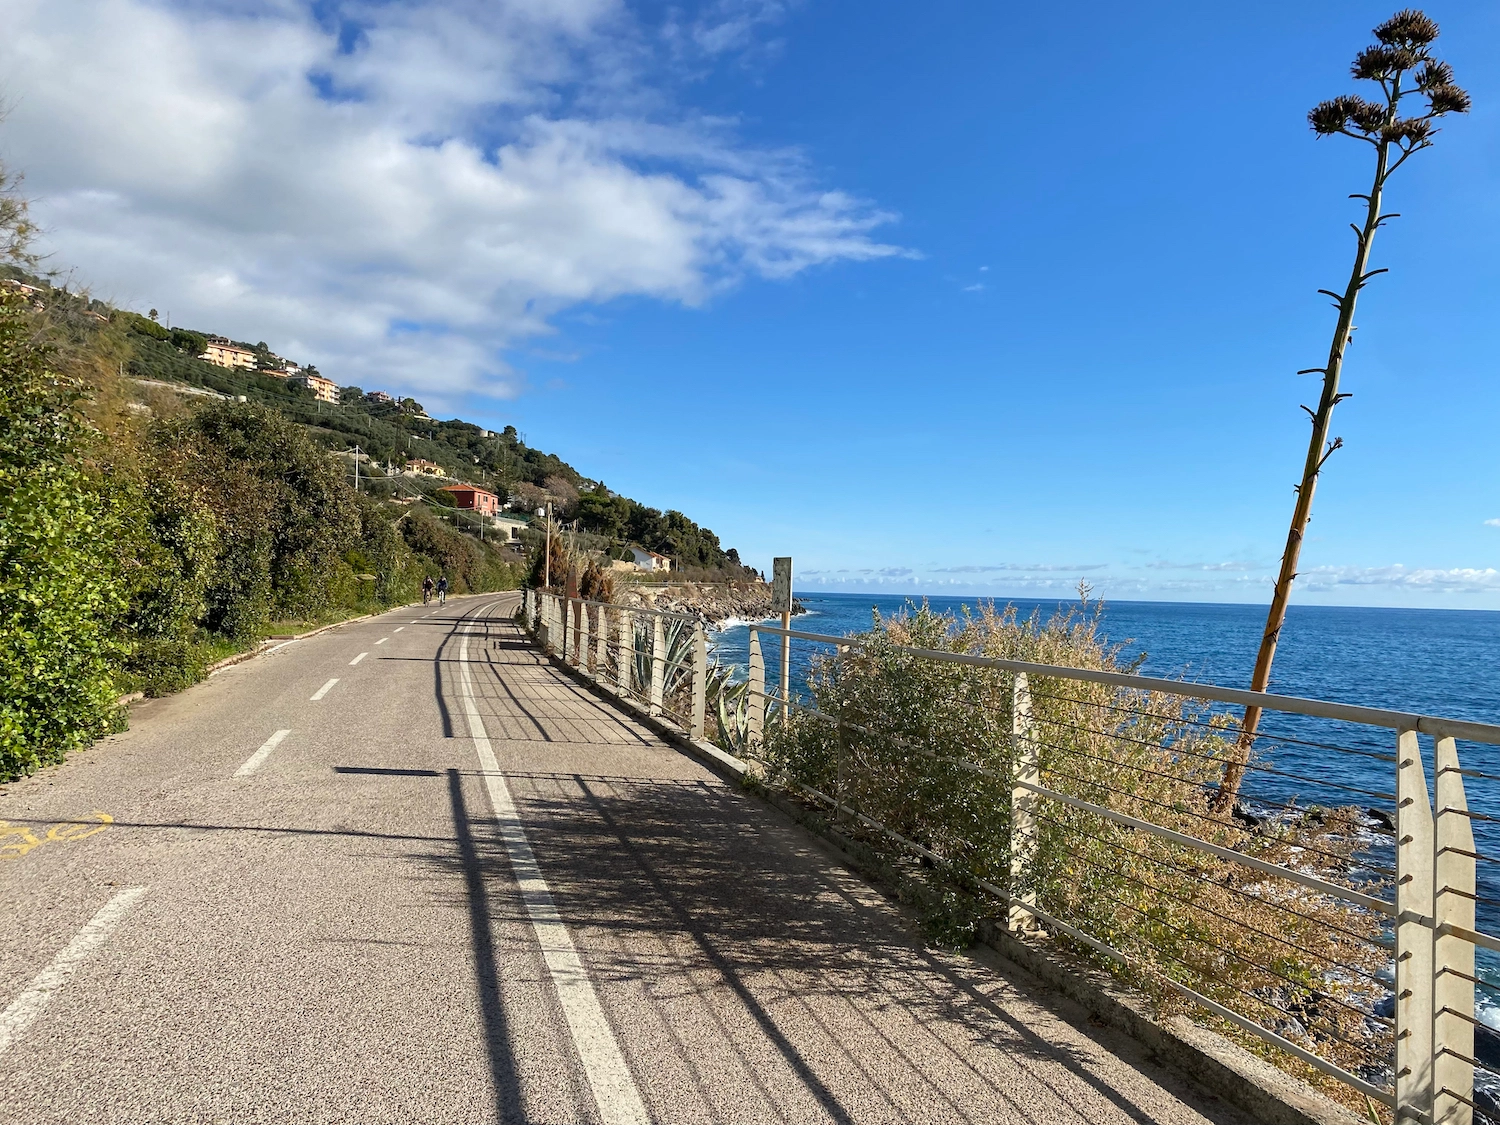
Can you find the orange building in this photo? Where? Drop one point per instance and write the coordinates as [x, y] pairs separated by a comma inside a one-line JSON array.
[[474, 499]]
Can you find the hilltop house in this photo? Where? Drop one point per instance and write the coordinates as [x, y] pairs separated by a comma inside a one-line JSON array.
[[324, 390], [650, 560], [418, 467], [379, 397], [222, 353], [472, 498]]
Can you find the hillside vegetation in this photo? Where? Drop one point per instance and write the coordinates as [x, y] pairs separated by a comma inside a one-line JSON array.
[[142, 540], [396, 432]]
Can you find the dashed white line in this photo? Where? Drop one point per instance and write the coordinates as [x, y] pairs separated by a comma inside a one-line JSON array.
[[258, 759], [614, 1089], [398, 628], [358, 658], [27, 1006], [382, 640], [322, 691]]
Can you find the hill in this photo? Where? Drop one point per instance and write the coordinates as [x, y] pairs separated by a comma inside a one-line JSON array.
[[395, 431]]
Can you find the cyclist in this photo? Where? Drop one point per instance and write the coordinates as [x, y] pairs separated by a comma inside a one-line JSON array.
[[442, 590], [427, 589]]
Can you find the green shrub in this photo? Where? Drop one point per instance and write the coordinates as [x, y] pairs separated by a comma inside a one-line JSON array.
[[60, 588]]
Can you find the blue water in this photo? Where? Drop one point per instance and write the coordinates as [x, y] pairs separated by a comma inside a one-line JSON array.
[[1434, 662]]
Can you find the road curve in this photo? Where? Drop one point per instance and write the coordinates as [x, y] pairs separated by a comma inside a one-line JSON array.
[[405, 871]]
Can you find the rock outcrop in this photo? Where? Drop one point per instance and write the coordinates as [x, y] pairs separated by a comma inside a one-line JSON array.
[[715, 602]]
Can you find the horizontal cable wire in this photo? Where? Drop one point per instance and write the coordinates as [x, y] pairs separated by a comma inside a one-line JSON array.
[[1236, 988], [1341, 860], [1221, 949], [1278, 738], [1187, 872]]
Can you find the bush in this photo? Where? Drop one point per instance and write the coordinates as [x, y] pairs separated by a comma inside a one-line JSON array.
[[60, 588], [924, 747]]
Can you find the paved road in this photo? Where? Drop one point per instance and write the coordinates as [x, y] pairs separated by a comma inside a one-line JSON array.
[[405, 871]]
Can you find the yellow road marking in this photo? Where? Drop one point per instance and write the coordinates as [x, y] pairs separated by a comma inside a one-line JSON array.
[[17, 840]]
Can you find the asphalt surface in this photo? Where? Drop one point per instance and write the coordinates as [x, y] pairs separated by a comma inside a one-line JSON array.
[[459, 888]]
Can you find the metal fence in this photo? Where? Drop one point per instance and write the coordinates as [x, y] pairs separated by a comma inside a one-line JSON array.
[[656, 658], [1342, 932]]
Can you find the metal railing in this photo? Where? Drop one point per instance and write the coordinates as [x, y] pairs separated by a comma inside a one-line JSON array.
[[656, 658], [1344, 935]]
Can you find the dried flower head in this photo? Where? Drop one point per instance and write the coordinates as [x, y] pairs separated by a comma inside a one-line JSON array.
[[1408, 28], [1403, 47], [1448, 99], [1379, 62], [1410, 130], [1433, 75], [1347, 111]]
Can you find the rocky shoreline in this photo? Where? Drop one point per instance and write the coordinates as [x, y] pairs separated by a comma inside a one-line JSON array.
[[715, 602]]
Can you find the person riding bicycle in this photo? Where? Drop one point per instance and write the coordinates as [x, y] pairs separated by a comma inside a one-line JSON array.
[[442, 590], [427, 589]]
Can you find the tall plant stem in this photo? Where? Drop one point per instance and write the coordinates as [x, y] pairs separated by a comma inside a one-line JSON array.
[[1318, 450]]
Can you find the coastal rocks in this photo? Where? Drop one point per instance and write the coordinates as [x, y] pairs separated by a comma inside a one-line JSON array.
[[715, 602]]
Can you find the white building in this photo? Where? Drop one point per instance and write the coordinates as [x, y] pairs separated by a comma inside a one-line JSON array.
[[650, 560]]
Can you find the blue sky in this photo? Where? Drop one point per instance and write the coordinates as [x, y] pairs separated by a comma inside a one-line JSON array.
[[971, 298]]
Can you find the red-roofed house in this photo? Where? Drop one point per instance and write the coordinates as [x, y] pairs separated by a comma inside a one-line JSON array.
[[474, 499]]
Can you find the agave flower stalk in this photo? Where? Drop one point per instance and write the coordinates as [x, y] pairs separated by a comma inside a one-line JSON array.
[[1400, 62]]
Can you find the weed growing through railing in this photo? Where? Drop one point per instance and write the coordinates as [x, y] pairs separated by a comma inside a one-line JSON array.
[[924, 748]]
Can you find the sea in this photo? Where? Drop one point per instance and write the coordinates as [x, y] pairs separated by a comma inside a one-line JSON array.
[[1440, 662]]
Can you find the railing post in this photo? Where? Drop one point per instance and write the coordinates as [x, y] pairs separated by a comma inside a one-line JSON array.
[[700, 681], [601, 642], [1453, 956], [583, 636], [1023, 838], [658, 663], [757, 706], [544, 608], [841, 770], [625, 669], [1414, 907]]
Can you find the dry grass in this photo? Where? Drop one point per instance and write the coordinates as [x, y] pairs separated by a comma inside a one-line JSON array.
[[924, 747]]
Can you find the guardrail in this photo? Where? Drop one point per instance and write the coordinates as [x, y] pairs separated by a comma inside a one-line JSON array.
[[1077, 799], [655, 657]]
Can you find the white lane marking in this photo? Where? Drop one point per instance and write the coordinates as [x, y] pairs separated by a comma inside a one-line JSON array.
[[258, 759], [27, 1006], [282, 645], [360, 657], [324, 690], [384, 639], [615, 1092], [398, 628]]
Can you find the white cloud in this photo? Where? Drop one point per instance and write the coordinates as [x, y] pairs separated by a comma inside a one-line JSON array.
[[1455, 580], [396, 192], [1492, 523]]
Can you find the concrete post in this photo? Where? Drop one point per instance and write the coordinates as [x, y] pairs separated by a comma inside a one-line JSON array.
[[841, 765], [625, 669], [700, 682], [583, 637], [601, 643], [757, 704], [658, 663], [1023, 837], [1453, 956], [1414, 905]]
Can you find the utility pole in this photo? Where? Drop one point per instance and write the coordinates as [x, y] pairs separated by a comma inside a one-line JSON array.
[[356, 468]]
